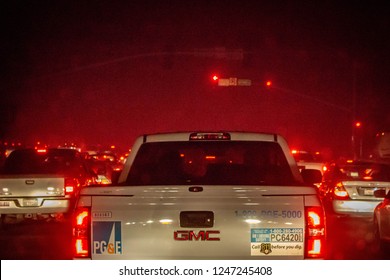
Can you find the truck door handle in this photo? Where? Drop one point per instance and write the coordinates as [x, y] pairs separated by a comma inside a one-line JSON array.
[[195, 189]]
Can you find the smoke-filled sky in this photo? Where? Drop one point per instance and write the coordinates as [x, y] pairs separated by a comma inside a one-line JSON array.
[[104, 72]]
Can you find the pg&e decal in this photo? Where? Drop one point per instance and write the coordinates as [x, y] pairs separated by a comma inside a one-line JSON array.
[[107, 238]]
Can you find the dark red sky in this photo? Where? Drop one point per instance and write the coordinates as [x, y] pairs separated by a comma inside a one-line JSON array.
[[108, 71]]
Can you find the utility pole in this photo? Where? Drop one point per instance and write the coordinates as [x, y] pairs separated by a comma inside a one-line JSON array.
[[353, 111]]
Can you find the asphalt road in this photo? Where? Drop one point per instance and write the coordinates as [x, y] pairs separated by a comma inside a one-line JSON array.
[[347, 240], [351, 239], [36, 241]]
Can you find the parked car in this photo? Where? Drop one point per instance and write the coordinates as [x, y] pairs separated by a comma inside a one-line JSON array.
[[382, 223], [348, 188]]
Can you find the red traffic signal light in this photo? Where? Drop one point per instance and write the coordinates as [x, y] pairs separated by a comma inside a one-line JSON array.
[[215, 78], [268, 83]]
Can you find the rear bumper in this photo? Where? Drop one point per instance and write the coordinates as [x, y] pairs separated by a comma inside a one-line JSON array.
[[45, 206], [354, 208]]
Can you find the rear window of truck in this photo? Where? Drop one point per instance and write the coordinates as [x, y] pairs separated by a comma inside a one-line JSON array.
[[52, 161], [210, 163]]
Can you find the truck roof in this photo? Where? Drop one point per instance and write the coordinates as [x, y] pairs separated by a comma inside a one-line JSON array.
[[233, 135]]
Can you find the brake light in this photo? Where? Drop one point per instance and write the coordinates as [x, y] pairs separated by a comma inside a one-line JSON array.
[[210, 136], [339, 192], [81, 232], [70, 185], [210, 157], [315, 232]]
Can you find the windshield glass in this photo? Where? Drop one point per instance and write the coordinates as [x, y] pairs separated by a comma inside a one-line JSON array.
[[52, 161], [364, 171], [210, 163]]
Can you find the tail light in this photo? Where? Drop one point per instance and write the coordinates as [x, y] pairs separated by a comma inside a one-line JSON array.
[[315, 232], [70, 185], [339, 192], [210, 136], [81, 232]]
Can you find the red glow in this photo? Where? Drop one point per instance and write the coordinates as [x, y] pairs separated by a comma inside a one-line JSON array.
[[81, 229], [340, 192], [315, 241], [70, 185], [210, 157]]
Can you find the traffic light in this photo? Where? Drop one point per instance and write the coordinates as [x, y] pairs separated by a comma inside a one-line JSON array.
[[215, 78], [268, 83], [358, 124]]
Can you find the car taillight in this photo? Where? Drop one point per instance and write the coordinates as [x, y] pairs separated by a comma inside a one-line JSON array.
[[70, 185], [210, 136], [339, 192], [81, 232], [315, 232]]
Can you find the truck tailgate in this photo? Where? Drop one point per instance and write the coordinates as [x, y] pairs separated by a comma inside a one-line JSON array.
[[214, 222], [29, 192]]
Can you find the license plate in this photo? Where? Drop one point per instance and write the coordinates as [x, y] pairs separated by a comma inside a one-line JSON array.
[[30, 202], [368, 192], [5, 204]]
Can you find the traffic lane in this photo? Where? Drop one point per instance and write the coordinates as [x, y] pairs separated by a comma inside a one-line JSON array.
[[36, 241], [351, 239]]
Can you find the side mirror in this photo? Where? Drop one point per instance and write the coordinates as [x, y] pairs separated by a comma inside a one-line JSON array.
[[311, 176]]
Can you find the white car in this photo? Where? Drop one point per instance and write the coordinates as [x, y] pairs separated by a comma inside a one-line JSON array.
[[348, 188]]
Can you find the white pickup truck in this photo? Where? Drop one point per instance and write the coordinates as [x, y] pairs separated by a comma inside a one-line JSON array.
[[200, 195], [41, 184]]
